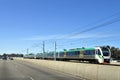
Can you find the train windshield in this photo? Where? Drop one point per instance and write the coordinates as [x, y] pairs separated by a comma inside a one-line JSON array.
[[105, 52]]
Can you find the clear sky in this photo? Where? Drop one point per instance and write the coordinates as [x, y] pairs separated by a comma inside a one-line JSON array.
[[26, 23]]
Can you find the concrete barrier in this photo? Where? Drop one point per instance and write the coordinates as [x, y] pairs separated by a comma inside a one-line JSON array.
[[88, 71], [108, 73]]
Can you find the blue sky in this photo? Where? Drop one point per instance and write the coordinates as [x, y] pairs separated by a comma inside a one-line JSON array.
[[26, 23]]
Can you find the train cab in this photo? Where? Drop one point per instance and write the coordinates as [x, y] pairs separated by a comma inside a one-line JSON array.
[[103, 54]]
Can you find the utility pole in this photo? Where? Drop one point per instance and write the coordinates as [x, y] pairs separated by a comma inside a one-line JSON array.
[[43, 49], [27, 50], [55, 51]]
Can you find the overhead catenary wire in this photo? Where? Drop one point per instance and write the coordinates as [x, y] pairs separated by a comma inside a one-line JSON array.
[[112, 19], [104, 24], [92, 43], [98, 22], [94, 28]]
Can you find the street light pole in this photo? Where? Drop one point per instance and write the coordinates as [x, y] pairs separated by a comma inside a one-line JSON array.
[[43, 49], [27, 50], [55, 51]]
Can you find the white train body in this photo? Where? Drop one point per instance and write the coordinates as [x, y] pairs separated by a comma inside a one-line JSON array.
[[93, 55]]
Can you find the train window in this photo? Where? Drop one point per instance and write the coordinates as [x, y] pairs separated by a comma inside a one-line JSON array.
[[72, 53], [92, 52], [87, 52], [68, 53], [76, 52], [61, 53], [105, 52], [99, 53]]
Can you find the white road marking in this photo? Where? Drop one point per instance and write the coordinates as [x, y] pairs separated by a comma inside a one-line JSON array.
[[31, 78]]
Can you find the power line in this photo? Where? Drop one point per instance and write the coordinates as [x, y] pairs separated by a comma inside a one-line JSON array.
[[55, 51], [92, 42], [95, 27], [101, 20], [74, 33], [43, 49]]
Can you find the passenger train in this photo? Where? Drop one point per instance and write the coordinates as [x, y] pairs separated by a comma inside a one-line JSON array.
[[92, 55]]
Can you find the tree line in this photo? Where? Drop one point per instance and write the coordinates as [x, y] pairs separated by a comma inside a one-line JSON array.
[[115, 52], [12, 55]]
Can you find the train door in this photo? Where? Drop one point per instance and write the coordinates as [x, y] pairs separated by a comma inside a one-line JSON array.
[[99, 56], [65, 54], [81, 54]]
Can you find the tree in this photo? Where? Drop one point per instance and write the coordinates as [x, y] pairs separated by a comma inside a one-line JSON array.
[[115, 52]]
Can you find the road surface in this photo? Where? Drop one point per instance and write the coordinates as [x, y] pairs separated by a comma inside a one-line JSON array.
[[17, 70]]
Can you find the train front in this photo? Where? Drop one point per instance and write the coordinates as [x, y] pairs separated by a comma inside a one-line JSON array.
[[106, 53]]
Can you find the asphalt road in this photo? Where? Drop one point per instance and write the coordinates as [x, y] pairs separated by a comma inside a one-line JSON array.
[[17, 70]]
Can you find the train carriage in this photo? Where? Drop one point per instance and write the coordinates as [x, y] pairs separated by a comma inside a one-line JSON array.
[[96, 55], [39, 56], [92, 55]]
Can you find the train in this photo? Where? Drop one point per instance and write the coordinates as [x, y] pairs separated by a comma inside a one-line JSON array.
[[99, 54], [30, 56]]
